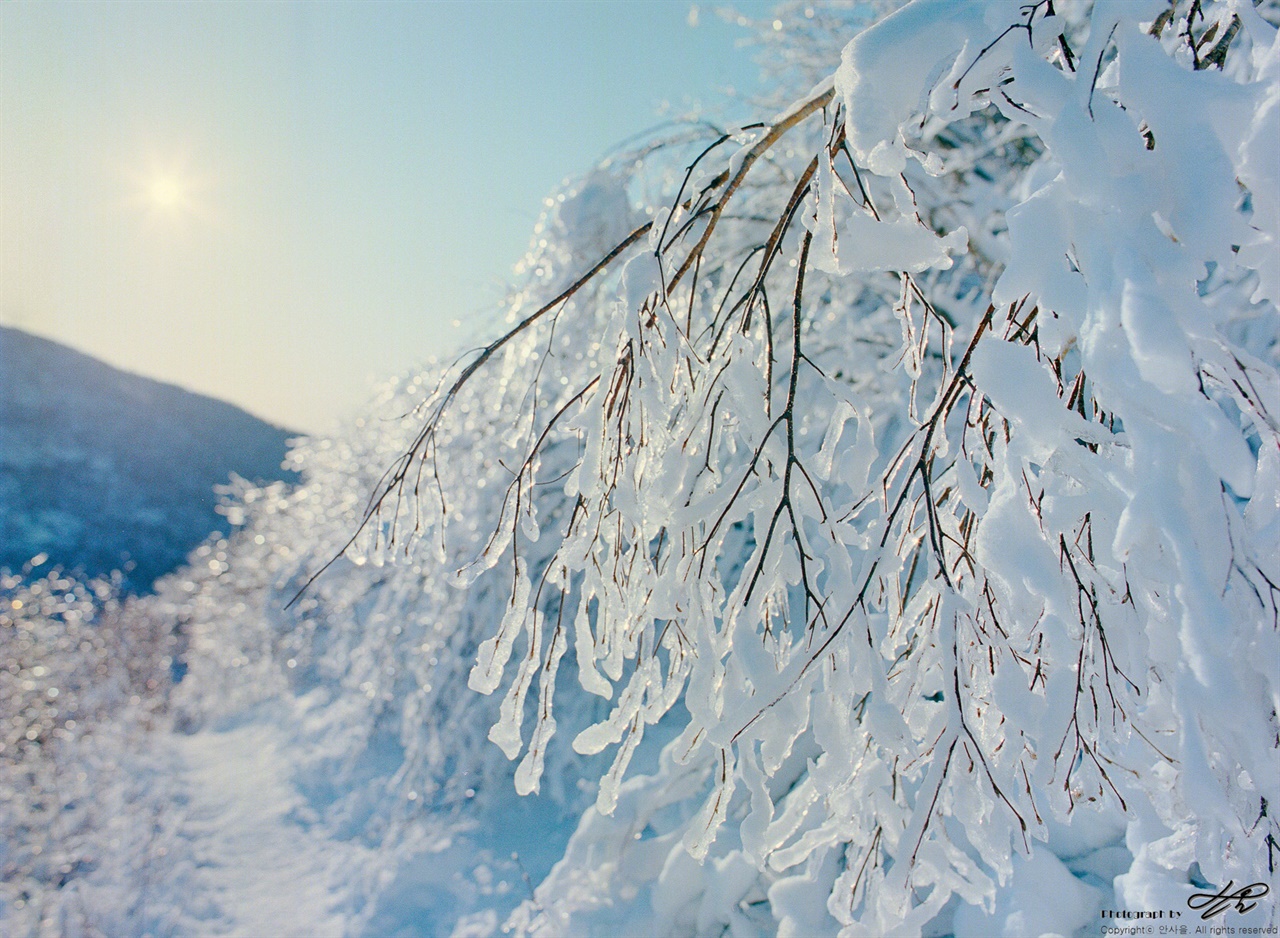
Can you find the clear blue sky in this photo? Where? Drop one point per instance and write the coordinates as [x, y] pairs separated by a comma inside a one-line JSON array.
[[275, 203]]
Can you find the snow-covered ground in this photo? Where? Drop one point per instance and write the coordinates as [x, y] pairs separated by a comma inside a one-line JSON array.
[[272, 850], [260, 867]]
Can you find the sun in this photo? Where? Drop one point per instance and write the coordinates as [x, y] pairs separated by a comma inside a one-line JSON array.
[[168, 193]]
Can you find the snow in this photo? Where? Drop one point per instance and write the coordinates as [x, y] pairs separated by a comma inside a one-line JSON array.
[[1259, 172], [258, 862], [870, 246], [937, 31], [1041, 898]]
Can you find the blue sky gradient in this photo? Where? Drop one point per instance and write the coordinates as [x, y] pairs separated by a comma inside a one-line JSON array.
[[276, 203]]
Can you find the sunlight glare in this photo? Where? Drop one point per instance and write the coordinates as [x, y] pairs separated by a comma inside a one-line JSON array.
[[167, 193], [170, 193]]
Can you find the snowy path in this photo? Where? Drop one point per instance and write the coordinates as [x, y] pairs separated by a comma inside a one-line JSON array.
[[259, 872]]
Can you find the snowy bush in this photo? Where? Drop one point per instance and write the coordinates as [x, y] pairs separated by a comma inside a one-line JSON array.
[[85, 808], [914, 463]]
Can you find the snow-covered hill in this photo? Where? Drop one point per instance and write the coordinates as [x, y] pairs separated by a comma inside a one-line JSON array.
[[103, 470]]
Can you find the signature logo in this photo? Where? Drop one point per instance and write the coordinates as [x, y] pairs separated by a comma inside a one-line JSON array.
[[1215, 903]]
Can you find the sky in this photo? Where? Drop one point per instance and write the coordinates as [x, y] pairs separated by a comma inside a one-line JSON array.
[[279, 203]]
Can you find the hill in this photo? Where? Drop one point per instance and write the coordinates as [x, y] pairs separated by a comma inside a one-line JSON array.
[[104, 470]]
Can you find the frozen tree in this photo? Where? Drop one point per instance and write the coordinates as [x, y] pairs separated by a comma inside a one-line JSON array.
[[909, 463]]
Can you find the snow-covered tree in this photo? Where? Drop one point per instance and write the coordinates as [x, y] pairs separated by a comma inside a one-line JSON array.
[[911, 464]]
